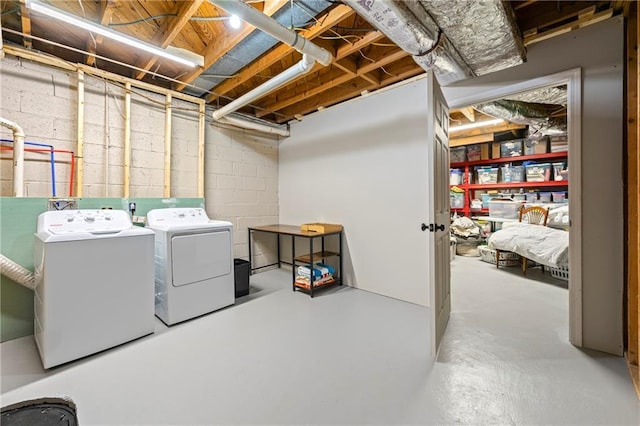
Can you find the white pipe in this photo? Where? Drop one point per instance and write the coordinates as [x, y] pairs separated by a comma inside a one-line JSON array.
[[272, 27], [17, 273], [250, 125], [18, 156], [304, 66]]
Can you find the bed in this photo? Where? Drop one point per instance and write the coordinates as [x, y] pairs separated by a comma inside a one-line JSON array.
[[544, 245]]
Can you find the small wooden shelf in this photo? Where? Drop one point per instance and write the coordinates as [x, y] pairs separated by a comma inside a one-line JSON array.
[[316, 256], [315, 286]]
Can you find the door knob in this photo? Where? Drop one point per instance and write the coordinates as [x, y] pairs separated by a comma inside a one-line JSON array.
[[424, 227]]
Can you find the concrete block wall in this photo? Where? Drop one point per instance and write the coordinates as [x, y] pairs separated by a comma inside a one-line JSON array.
[[241, 184], [241, 168], [43, 100]]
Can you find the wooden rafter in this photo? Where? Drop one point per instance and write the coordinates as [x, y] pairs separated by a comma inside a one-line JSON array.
[[215, 51], [363, 70], [25, 21], [586, 18], [332, 18], [469, 112], [504, 127], [163, 38], [106, 11]]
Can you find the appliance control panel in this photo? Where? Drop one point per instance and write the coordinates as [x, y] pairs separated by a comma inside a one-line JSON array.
[[177, 216], [84, 221]]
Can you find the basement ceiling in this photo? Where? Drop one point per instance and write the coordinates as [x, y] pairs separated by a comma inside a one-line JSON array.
[[238, 60]]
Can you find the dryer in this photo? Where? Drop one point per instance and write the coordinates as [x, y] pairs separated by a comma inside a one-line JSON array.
[[193, 263], [94, 287]]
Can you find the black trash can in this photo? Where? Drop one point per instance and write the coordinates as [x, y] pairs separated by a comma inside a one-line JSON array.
[[241, 271]]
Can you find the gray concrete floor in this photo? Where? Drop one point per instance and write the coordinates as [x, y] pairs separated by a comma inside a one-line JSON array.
[[348, 357]]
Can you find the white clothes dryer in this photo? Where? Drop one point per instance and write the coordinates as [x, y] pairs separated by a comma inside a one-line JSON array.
[[193, 261], [94, 287]]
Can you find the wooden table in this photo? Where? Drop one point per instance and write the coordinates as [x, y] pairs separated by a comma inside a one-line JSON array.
[[309, 258]]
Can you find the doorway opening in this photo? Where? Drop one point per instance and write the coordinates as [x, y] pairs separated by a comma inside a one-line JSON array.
[[516, 147]]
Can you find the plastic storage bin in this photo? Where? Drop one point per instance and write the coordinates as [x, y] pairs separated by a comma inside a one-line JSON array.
[[511, 148], [457, 199], [473, 153], [458, 154], [558, 197], [487, 174], [512, 174], [455, 177], [241, 275], [538, 172], [531, 197], [505, 209], [545, 197], [535, 147]]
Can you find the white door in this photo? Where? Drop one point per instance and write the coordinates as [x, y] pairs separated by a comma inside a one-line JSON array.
[[440, 270]]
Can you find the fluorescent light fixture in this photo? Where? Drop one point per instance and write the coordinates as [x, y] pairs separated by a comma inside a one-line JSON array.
[[234, 21], [109, 33], [476, 125]]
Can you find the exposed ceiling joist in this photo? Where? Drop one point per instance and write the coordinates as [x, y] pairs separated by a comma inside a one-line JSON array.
[[25, 21], [107, 8], [504, 127], [163, 38], [332, 18], [588, 17], [215, 51]]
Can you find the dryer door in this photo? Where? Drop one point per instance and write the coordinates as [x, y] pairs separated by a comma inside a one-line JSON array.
[[200, 257]]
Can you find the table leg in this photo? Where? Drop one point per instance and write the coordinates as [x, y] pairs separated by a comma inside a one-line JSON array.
[[311, 267], [278, 239], [293, 262], [250, 260], [340, 253]]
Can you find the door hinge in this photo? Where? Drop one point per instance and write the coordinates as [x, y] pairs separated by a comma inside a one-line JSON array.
[[432, 227]]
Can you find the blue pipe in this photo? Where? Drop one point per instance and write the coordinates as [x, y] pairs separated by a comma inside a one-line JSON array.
[[53, 167]]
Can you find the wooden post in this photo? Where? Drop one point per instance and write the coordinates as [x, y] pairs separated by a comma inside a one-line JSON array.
[[127, 139], [80, 142], [201, 123], [167, 147]]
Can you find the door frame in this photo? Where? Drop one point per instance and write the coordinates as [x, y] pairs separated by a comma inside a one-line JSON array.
[[573, 79]]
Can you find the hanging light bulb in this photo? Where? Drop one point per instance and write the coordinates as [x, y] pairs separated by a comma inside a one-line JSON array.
[[234, 21]]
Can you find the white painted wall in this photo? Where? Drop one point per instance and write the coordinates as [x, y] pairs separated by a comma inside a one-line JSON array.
[[241, 182], [358, 164], [598, 51]]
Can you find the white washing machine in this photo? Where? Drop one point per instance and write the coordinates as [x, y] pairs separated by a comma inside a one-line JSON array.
[[94, 286], [194, 263]]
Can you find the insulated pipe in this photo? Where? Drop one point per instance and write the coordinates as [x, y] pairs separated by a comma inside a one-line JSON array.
[[250, 125], [18, 156], [16, 272], [304, 66], [272, 27]]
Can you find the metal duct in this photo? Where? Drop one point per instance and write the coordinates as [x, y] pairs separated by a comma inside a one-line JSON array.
[[483, 32], [413, 30], [547, 95], [536, 116]]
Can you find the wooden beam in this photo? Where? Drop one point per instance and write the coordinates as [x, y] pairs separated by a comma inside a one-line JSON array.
[[169, 31], [332, 18], [504, 127], [167, 146], [584, 21], [215, 51], [80, 135], [25, 21], [524, 4], [469, 112], [487, 137], [387, 59], [106, 11]]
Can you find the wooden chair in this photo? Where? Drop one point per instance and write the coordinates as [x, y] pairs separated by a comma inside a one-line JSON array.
[[534, 215]]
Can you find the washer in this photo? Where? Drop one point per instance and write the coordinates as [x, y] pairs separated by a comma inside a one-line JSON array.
[[194, 263], [94, 286]]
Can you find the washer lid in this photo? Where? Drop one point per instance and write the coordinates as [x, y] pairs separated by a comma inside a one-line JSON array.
[[67, 225]]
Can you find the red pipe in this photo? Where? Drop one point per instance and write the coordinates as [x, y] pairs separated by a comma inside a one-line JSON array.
[[71, 153]]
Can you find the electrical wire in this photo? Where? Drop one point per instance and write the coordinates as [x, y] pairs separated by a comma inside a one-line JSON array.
[[143, 20]]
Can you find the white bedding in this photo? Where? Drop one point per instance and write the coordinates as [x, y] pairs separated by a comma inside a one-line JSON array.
[[541, 244]]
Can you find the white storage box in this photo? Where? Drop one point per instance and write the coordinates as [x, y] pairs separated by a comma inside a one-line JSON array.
[[505, 209]]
